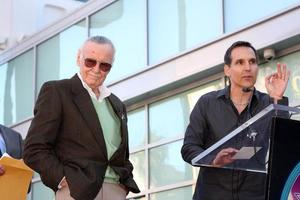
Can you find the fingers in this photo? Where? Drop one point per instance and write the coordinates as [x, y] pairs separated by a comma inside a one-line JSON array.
[[2, 170], [226, 152], [64, 183], [270, 78], [224, 157], [282, 75], [279, 72], [282, 72], [230, 151]]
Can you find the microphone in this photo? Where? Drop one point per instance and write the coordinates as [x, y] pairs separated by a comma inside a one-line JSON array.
[[247, 89], [252, 134]]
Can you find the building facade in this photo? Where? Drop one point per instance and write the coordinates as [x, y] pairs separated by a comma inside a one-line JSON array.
[[168, 54], [21, 19]]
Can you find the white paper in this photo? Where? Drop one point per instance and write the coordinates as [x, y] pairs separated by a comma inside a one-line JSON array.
[[5, 155], [245, 153]]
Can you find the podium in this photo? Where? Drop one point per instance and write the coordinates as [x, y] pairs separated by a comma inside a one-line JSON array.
[[269, 143]]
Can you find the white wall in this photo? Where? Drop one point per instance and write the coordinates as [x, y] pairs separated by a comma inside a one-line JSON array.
[[20, 19], [5, 21]]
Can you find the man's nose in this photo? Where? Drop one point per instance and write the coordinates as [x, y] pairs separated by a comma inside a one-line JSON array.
[[96, 68], [247, 66]]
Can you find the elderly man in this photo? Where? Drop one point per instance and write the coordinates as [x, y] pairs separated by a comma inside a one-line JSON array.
[[78, 138], [219, 112]]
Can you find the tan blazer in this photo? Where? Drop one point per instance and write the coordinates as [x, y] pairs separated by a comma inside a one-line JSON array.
[[65, 139]]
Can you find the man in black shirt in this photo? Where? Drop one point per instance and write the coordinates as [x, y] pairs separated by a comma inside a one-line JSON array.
[[219, 112]]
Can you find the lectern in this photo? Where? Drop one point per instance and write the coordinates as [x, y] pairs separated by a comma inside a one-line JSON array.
[[269, 143]]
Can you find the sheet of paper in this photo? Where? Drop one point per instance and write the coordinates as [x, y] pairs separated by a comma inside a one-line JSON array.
[[15, 182], [245, 153]]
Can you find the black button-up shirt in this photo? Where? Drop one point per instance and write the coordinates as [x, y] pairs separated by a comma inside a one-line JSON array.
[[213, 117]]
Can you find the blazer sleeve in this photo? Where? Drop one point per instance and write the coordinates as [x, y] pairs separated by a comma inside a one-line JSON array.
[[40, 141]]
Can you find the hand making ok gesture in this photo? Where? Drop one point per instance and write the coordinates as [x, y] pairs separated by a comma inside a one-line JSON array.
[[276, 83]]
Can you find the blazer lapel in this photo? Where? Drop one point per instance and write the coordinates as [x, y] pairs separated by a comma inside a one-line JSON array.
[[118, 111], [85, 105]]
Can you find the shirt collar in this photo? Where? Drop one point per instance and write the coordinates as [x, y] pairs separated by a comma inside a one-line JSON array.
[[104, 91], [224, 93]]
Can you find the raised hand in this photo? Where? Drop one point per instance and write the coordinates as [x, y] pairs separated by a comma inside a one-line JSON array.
[[276, 83]]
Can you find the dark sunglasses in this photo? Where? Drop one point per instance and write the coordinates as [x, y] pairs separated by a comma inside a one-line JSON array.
[[90, 63]]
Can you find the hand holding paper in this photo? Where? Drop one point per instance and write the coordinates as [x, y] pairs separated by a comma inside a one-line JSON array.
[[16, 179], [224, 157], [245, 153], [2, 170]]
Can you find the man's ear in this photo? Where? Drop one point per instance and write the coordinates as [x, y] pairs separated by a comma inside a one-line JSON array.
[[226, 70]]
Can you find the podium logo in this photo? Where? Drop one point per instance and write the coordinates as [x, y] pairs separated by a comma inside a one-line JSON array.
[[291, 190]]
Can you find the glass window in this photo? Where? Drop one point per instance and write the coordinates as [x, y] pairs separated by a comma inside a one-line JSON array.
[[123, 22], [194, 94], [168, 118], [293, 89], [40, 191], [137, 128], [28, 196], [184, 26], [138, 161], [16, 89], [56, 58], [165, 161], [36, 175], [241, 13], [176, 194]]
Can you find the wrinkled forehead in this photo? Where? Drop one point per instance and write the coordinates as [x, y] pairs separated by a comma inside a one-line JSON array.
[[242, 53], [97, 50]]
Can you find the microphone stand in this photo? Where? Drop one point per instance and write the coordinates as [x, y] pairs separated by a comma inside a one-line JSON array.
[[252, 135]]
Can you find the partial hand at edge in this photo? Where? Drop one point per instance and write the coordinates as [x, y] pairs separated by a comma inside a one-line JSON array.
[[224, 157], [2, 170], [124, 188], [63, 183]]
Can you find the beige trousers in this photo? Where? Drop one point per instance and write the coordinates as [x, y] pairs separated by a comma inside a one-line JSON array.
[[108, 191]]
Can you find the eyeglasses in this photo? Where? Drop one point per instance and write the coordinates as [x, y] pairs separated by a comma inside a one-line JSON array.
[[90, 63]]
